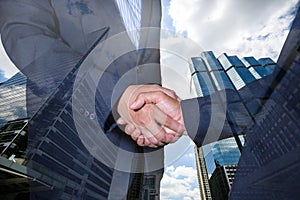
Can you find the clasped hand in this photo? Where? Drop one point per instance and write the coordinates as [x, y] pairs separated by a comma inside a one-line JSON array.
[[151, 114]]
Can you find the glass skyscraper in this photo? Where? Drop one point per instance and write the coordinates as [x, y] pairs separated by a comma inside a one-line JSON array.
[[54, 157], [52, 162], [268, 167], [212, 74], [226, 152], [13, 99]]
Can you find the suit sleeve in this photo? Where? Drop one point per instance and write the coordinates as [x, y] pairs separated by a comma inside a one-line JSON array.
[[227, 112], [206, 118]]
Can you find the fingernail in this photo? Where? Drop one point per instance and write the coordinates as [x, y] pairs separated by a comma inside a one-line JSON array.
[[141, 137], [136, 132], [133, 105], [130, 128]]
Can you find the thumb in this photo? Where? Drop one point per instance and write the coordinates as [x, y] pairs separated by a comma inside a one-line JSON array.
[[137, 104], [144, 98]]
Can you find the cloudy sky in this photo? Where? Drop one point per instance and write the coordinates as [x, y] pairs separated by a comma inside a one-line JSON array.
[[238, 27]]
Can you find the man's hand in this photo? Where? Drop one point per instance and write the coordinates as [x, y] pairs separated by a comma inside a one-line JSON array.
[[154, 118]]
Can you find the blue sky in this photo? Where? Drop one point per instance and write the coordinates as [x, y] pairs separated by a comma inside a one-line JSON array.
[[167, 21]]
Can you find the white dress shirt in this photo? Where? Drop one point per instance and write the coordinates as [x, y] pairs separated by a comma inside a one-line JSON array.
[[131, 14]]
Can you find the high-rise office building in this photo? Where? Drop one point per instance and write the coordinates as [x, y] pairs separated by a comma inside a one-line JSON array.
[[269, 164], [16, 182], [52, 161], [212, 74], [226, 152], [221, 181], [13, 99], [225, 157], [205, 192]]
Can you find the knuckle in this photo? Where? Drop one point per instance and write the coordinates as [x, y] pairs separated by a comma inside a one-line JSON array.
[[143, 121], [142, 96], [160, 136]]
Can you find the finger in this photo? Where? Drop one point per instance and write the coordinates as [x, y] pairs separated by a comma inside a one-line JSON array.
[[146, 98], [160, 137], [135, 135], [169, 131], [152, 129], [141, 141], [155, 87], [129, 129], [175, 139], [168, 122], [143, 98], [121, 121], [169, 137], [147, 141], [153, 97], [153, 139], [153, 146], [149, 144], [173, 125], [169, 92], [152, 126]]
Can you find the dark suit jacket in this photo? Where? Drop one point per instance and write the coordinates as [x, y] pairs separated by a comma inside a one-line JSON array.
[[51, 42]]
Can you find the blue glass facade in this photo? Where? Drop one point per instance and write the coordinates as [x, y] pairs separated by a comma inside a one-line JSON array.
[[13, 99], [268, 64], [226, 152], [212, 74], [211, 63], [221, 80], [268, 167], [55, 150]]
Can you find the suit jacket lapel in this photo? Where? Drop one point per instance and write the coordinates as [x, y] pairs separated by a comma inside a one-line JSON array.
[[106, 14]]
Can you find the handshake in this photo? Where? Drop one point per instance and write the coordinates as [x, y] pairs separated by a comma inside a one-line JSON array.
[[151, 114]]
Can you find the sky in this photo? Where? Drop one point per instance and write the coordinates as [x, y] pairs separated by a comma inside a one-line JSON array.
[[237, 27]]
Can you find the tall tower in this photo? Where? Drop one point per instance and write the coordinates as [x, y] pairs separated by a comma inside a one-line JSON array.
[[269, 165], [13, 99], [210, 74], [14, 176], [202, 174]]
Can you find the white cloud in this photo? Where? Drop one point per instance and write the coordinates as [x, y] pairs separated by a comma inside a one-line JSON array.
[[176, 50], [180, 183], [246, 28], [190, 155], [6, 65]]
